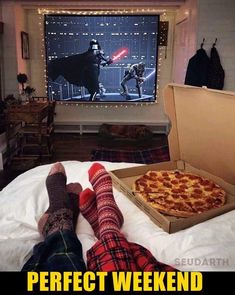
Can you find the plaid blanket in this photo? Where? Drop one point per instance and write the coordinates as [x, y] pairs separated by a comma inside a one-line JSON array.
[[147, 156]]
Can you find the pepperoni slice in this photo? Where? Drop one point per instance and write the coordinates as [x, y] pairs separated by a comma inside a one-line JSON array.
[[167, 184], [197, 191], [208, 189], [160, 179], [165, 174], [209, 200], [146, 177], [178, 176], [152, 174], [195, 196], [175, 196], [183, 196], [205, 182], [153, 185], [183, 186], [183, 180], [142, 182], [174, 181]]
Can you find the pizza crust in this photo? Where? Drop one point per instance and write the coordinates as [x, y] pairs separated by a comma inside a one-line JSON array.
[[179, 194], [166, 211]]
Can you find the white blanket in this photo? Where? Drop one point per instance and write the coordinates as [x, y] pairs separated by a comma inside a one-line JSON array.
[[207, 246]]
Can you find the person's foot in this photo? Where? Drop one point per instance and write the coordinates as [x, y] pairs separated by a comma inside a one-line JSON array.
[[74, 188], [109, 215], [88, 208], [61, 211], [56, 187]]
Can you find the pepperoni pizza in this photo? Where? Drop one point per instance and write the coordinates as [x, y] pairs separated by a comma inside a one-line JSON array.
[[179, 193]]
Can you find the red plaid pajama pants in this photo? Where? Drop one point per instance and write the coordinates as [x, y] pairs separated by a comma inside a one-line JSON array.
[[114, 253]]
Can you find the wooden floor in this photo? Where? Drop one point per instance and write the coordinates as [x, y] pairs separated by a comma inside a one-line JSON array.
[[75, 147]]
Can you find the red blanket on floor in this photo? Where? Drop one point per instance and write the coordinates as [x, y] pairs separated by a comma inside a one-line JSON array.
[[146, 156]]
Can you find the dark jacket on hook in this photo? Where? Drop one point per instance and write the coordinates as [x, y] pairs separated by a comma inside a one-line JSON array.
[[197, 70], [216, 71]]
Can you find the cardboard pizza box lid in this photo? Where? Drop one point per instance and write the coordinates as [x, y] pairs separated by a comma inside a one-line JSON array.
[[202, 128]]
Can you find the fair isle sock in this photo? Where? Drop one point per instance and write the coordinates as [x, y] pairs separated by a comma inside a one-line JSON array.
[[56, 189], [63, 210], [109, 216], [88, 208]]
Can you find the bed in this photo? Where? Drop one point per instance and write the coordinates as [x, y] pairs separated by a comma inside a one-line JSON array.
[[208, 246]]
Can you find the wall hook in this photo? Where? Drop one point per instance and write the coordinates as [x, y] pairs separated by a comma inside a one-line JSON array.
[[214, 44], [202, 44]]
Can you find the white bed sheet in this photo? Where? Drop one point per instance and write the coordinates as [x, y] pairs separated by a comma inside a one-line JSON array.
[[207, 246]]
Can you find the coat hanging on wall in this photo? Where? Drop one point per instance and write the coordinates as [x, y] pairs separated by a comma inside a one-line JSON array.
[[197, 70], [215, 72]]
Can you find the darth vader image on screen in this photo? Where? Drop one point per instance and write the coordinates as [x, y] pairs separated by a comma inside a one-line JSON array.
[[82, 69]]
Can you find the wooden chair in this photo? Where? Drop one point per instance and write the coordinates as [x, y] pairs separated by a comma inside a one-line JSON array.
[[38, 137]]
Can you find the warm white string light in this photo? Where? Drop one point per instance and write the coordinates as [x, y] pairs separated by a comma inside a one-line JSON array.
[[104, 106], [101, 12], [163, 17], [148, 11]]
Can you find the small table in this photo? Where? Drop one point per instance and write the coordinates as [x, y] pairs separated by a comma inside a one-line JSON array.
[[33, 112], [29, 113]]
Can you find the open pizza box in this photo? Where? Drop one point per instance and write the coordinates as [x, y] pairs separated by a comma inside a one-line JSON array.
[[201, 141]]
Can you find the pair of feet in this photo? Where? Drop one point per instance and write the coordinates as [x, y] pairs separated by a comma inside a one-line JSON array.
[[97, 206]]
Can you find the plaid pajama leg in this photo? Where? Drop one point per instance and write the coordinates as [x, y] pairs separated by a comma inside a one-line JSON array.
[[145, 261], [61, 251], [114, 253], [111, 253]]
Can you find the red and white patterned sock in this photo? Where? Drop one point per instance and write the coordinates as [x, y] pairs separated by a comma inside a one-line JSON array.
[[109, 215], [88, 208]]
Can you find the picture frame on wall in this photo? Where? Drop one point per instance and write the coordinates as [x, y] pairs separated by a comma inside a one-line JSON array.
[[25, 45]]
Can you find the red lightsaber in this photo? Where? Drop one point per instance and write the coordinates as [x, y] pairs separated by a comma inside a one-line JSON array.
[[119, 54]]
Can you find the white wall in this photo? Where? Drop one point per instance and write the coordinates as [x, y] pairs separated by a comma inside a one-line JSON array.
[[217, 20], [9, 48], [14, 21], [185, 39]]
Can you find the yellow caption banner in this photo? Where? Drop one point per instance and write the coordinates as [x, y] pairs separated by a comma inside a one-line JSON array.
[[121, 281]]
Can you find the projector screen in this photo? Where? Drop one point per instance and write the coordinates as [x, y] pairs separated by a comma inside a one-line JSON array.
[[102, 58]]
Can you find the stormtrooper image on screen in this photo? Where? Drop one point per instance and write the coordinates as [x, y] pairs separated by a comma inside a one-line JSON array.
[[135, 71]]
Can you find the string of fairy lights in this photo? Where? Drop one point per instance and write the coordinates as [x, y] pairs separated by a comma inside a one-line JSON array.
[[94, 105]]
